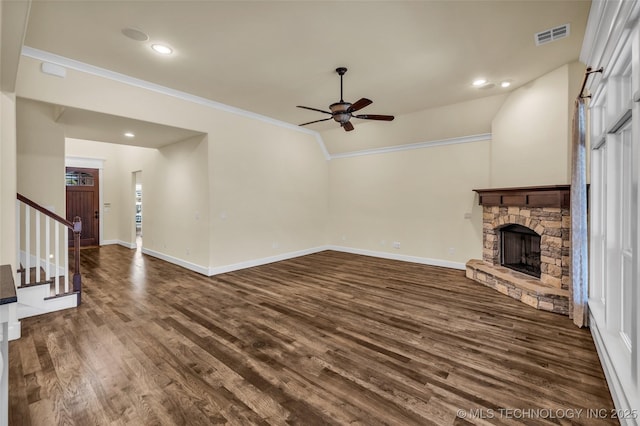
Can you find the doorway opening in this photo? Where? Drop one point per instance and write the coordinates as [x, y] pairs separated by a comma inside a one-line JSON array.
[[137, 183]]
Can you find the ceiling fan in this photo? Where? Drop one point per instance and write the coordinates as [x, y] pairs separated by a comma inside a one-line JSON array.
[[342, 111]]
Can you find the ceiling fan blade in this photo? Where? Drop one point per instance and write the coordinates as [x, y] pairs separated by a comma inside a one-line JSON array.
[[374, 117], [347, 126], [317, 121], [313, 109], [359, 104]]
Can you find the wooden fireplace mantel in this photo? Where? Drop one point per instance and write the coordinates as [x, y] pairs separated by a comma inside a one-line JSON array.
[[527, 196]]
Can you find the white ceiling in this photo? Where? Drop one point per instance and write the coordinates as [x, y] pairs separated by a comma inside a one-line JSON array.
[[269, 56]]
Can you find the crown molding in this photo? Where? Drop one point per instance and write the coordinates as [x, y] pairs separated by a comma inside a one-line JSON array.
[[42, 55], [420, 145]]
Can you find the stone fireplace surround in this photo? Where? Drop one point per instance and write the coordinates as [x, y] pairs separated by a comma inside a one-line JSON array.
[[545, 210]]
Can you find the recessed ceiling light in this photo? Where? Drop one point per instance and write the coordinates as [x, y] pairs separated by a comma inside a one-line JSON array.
[[479, 82], [505, 84], [130, 134], [162, 49]]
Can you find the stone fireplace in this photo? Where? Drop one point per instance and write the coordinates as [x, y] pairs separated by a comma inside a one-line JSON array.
[[526, 245]]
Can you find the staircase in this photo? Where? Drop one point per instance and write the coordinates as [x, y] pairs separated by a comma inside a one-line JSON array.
[[43, 281]]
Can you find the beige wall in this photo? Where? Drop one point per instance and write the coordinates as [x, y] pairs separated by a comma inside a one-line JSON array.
[[461, 119], [269, 195], [418, 198], [13, 24], [531, 132], [264, 181], [253, 190], [40, 162], [7, 179], [175, 195], [120, 162], [40, 156], [176, 201]]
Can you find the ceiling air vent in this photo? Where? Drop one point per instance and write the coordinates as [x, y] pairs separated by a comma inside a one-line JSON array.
[[553, 34]]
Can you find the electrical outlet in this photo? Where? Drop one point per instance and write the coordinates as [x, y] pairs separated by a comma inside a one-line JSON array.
[[275, 245], [396, 244], [344, 238], [467, 215], [452, 250]]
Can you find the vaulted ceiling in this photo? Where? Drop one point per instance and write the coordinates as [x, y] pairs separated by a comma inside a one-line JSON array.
[[269, 56]]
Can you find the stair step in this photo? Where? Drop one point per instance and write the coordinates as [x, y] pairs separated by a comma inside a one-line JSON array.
[[37, 284], [30, 305], [52, 286], [71, 293]]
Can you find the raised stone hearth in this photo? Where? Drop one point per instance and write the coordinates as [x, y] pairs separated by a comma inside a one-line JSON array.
[[519, 286], [545, 212]]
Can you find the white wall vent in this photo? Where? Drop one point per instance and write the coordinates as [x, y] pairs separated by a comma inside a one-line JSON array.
[[553, 34]]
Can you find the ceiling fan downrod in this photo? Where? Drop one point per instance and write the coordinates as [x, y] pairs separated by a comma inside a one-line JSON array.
[[341, 71]]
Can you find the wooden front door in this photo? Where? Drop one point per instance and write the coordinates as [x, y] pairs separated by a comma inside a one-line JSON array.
[[83, 199]]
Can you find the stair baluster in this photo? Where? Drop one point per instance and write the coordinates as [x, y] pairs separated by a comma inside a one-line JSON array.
[[27, 244], [56, 266]]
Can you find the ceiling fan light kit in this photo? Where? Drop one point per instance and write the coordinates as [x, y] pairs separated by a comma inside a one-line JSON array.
[[342, 111]]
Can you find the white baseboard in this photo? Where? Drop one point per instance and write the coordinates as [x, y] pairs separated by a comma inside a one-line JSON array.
[[131, 246], [176, 261], [621, 400], [9, 314], [119, 242], [15, 331], [264, 260], [402, 257], [290, 255]]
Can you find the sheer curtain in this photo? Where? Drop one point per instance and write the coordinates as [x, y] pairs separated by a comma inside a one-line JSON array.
[[578, 308]]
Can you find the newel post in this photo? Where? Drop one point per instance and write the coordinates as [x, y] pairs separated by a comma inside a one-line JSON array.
[[77, 278]]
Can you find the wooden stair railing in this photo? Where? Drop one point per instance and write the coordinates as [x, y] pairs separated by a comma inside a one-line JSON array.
[[41, 263]]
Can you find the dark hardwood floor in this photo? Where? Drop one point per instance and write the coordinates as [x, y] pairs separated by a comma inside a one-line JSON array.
[[330, 338]]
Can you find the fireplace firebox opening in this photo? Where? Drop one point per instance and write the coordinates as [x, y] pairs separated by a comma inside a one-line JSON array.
[[520, 249]]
